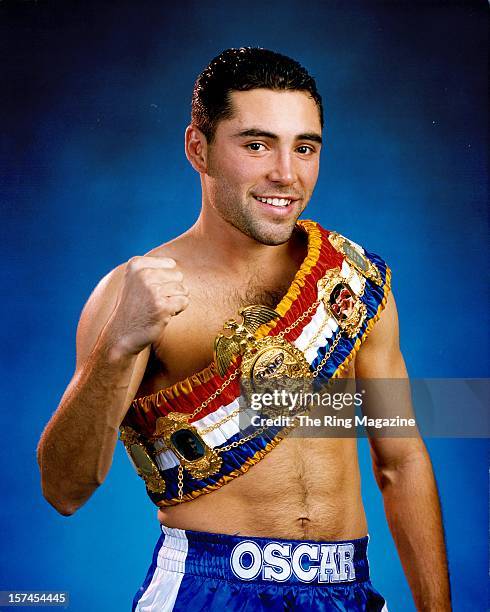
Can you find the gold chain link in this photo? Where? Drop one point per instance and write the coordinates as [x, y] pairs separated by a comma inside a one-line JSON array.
[[180, 481], [309, 311], [302, 317], [326, 357], [317, 335], [223, 420], [239, 442], [218, 391]]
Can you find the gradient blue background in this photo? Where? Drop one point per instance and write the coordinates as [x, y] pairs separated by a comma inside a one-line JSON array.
[[96, 100]]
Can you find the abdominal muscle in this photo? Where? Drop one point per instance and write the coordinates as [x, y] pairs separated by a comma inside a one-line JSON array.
[[303, 489]]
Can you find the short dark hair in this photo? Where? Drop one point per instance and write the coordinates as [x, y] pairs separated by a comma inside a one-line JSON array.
[[241, 70]]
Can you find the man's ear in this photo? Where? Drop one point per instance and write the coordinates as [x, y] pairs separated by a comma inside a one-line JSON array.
[[196, 148]]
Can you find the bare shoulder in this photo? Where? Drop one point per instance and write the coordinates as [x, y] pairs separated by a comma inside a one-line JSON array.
[[104, 298], [380, 356], [385, 331], [179, 249]]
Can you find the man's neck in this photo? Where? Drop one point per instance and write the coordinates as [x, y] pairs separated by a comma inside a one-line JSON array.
[[223, 245]]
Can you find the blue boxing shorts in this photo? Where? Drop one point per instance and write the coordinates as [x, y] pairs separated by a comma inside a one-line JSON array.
[[193, 571]]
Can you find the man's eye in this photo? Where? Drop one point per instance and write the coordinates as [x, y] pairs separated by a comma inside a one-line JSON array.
[[305, 150], [255, 146]]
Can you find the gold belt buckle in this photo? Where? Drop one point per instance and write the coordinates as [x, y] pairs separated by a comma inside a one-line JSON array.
[[141, 459], [341, 302], [180, 436]]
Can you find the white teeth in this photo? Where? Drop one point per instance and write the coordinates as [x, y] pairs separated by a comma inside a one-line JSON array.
[[274, 201]]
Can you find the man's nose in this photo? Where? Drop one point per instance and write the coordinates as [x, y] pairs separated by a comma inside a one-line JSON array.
[[282, 170]]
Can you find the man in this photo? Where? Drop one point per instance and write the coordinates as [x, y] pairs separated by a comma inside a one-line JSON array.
[[288, 531]]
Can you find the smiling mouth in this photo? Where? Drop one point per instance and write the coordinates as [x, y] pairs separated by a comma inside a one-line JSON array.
[[279, 202]]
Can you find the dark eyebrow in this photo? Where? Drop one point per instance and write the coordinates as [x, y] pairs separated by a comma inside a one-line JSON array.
[[255, 133], [310, 136]]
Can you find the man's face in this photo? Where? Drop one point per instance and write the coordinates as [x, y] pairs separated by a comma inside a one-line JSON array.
[[263, 163]]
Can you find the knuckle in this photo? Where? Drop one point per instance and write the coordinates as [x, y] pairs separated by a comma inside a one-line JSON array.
[[172, 276]]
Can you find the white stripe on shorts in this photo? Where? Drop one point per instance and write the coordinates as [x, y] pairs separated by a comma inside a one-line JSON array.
[[164, 587]]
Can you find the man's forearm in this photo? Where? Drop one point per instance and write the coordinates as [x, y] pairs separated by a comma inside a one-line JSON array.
[[414, 516], [77, 446]]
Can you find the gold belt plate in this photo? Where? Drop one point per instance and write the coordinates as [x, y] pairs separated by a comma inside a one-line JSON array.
[[180, 436], [141, 459], [273, 364], [360, 262], [341, 302], [273, 358]]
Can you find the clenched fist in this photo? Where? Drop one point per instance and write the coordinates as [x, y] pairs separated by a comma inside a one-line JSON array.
[[152, 293]]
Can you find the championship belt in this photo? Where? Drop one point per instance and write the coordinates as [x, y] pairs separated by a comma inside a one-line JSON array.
[[192, 438]]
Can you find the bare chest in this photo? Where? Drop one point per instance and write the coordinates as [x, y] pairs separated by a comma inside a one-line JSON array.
[[186, 346]]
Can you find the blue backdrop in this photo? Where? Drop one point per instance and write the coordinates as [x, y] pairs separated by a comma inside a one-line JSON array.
[[93, 172]]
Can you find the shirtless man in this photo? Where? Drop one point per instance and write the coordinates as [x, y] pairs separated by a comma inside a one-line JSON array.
[[255, 140]]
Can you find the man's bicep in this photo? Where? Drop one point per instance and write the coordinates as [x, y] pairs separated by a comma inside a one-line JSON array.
[[382, 373], [380, 356]]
